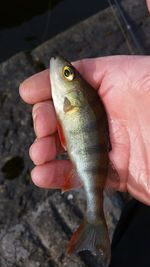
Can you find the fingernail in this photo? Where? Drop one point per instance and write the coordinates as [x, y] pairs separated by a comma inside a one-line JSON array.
[[20, 87], [35, 117], [30, 151]]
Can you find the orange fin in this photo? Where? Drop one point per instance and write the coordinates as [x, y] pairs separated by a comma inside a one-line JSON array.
[[92, 237], [61, 135], [71, 180]]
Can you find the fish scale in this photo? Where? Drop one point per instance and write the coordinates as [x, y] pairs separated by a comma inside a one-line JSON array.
[[84, 125]]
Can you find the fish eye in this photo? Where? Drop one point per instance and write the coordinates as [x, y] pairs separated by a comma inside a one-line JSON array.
[[68, 73]]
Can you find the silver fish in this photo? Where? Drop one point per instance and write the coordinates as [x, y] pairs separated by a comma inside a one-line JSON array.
[[83, 122]]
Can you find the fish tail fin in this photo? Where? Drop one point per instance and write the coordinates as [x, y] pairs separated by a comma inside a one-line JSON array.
[[93, 237]]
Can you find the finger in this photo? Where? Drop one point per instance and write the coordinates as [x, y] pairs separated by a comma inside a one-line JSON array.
[[44, 119], [148, 4], [93, 70], [51, 175], [45, 149], [36, 88]]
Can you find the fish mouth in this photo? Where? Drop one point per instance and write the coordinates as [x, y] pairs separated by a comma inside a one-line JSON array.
[[53, 64], [54, 56], [57, 62], [59, 58], [52, 59]]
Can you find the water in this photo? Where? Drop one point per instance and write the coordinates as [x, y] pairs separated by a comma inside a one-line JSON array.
[[26, 24]]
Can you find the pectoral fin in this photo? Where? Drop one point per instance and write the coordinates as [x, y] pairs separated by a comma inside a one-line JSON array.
[[67, 105], [61, 135], [71, 180]]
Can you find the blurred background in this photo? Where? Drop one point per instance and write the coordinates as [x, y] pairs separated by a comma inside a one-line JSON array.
[[24, 25], [35, 223]]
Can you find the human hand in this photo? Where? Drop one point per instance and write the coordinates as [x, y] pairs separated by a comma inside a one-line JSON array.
[[123, 82], [148, 4]]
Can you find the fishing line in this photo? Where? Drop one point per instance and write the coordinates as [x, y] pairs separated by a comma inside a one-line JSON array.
[[121, 27], [49, 15], [50, 4], [130, 29]]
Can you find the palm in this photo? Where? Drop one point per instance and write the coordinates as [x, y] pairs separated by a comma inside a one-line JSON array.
[[123, 83]]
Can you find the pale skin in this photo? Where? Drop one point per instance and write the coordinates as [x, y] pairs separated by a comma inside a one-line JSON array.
[[148, 4], [123, 83]]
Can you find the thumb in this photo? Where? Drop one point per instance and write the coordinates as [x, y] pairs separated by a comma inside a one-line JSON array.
[[93, 69]]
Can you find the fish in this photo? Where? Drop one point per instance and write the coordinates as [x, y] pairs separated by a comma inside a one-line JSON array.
[[84, 133]]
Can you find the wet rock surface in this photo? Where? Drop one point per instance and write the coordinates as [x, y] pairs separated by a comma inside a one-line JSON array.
[[35, 224]]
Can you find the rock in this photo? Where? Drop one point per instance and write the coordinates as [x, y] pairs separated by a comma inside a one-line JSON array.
[[36, 224], [19, 248]]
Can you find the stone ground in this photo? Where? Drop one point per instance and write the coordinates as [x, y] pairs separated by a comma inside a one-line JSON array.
[[35, 224]]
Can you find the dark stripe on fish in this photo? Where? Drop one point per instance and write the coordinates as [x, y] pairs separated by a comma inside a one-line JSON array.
[[96, 148], [88, 127], [97, 170]]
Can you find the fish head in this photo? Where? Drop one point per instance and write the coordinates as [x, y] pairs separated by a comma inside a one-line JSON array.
[[67, 91]]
